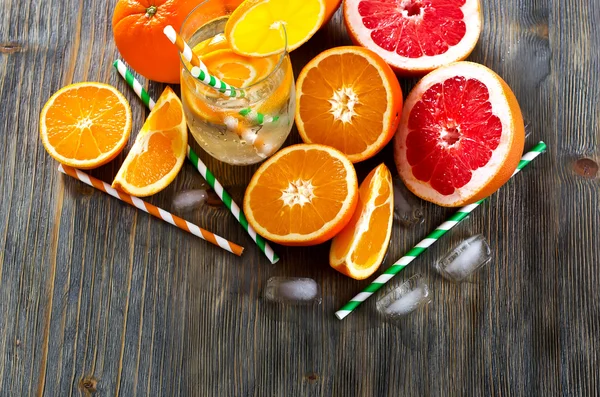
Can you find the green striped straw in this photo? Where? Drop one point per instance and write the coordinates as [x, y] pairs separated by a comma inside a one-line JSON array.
[[259, 118], [426, 243], [201, 167], [199, 69], [200, 72]]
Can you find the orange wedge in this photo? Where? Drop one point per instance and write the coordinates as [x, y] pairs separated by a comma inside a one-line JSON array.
[[85, 125], [253, 29], [218, 42], [303, 195], [350, 99], [158, 151], [358, 250]]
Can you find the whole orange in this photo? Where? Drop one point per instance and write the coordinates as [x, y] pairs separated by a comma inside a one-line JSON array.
[[138, 30]]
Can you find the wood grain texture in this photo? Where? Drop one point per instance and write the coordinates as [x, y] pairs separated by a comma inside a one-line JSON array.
[[96, 297]]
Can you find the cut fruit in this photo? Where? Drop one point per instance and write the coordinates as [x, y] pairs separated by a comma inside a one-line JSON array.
[[199, 107], [303, 195], [231, 5], [331, 7], [158, 151], [254, 27], [358, 250], [218, 42], [415, 36], [229, 66], [461, 136], [238, 70], [85, 125], [283, 93], [350, 99]]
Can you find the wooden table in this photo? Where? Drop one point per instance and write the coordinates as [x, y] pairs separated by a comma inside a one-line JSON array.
[[97, 296]]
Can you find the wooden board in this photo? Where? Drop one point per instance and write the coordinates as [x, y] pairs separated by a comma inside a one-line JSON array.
[[96, 296]]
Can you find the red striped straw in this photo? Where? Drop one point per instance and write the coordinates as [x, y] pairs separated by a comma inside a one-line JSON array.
[[153, 210]]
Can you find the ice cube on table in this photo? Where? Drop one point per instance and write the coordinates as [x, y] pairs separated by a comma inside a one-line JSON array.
[[292, 290], [405, 298], [465, 259], [407, 207], [189, 200]]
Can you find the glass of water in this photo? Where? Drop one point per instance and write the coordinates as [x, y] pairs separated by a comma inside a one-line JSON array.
[[252, 125]]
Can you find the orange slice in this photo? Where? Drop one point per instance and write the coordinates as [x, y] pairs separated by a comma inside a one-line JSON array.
[[253, 29], [350, 99], [85, 125], [238, 70], [280, 95], [158, 151], [197, 106], [231, 5], [303, 195], [218, 42], [201, 108], [461, 136], [358, 250]]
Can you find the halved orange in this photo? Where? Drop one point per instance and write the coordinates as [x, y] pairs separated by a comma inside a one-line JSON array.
[[158, 151], [303, 195], [461, 136], [358, 250], [350, 99], [85, 125]]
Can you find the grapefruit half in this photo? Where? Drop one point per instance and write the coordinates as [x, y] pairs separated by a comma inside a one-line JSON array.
[[461, 135], [415, 36]]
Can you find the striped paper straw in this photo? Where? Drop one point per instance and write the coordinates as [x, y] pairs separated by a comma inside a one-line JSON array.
[[426, 243], [153, 210], [202, 169], [258, 117], [199, 69]]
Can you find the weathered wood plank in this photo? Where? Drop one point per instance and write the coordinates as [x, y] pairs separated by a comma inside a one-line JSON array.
[[95, 296]]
